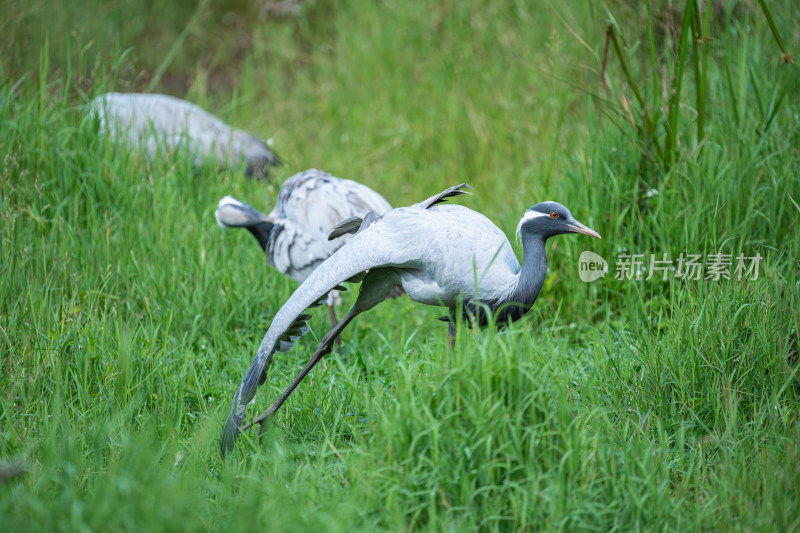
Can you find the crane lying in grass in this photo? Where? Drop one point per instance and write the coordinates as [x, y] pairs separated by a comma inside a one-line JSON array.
[[295, 234], [154, 122], [440, 254]]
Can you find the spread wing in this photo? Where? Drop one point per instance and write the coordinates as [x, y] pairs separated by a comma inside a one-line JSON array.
[[363, 252]]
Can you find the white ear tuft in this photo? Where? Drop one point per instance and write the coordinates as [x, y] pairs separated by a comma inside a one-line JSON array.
[[529, 215]]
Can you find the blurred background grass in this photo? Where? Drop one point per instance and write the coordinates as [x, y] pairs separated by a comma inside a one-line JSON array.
[[127, 317]]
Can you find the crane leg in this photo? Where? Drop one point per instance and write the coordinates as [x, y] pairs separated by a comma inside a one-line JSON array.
[[451, 333], [334, 322], [451, 328], [323, 349]]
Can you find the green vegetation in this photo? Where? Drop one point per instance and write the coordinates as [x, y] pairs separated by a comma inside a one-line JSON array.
[[127, 318]]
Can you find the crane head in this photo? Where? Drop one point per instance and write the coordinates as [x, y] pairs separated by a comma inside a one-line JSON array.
[[548, 219]]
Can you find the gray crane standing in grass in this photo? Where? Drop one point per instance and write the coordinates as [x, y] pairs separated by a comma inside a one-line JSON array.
[[295, 234], [440, 254], [157, 122]]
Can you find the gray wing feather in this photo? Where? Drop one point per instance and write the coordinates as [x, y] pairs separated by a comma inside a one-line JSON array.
[[443, 196], [362, 253], [345, 227]]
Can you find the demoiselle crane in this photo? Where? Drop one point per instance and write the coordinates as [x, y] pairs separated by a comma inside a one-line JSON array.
[[151, 122], [440, 254], [294, 235]]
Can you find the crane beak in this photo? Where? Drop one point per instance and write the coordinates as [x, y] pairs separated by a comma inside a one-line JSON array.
[[580, 228]]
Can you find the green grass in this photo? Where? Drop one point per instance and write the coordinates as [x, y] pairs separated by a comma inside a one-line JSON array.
[[127, 318]]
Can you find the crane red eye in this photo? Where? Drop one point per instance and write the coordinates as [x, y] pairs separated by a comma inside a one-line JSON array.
[[553, 214]]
